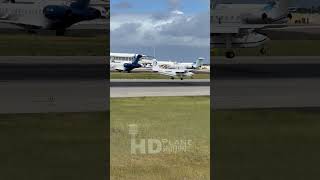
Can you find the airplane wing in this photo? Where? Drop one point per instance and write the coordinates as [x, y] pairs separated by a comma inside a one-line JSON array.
[[237, 28], [33, 24], [294, 27], [225, 29]]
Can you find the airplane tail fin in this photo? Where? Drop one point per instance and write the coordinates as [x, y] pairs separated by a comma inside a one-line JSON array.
[[155, 66], [80, 4], [284, 5], [137, 59], [199, 62]]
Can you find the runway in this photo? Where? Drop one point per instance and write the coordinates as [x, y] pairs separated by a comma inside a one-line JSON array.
[[40, 96], [78, 84], [145, 88], [159, 91], [42, 84], [266, 93], [266, 82], [86, 28], [158, 82], [53, 67], [247, 83], [265, 67]]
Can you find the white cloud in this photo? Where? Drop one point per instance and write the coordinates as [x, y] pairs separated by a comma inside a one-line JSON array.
[[175, 28], [177, 12]]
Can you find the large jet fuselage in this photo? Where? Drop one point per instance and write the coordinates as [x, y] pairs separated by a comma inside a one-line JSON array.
[[46, 16], [274, 13], [239, 25]]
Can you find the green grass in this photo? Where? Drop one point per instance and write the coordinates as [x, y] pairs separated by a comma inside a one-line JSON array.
[[150, 75], [281, 48], [37, 45], [161, 117], [52, 146], [267, 144]]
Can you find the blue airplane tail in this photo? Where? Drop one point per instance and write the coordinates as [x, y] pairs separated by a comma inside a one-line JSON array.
[[137, 59], [135, 64]]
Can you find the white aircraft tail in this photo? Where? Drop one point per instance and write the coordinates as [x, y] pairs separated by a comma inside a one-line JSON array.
[[199, 62], [282, 5]]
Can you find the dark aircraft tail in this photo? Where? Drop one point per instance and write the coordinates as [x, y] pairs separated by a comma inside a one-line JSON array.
[[137, 59]]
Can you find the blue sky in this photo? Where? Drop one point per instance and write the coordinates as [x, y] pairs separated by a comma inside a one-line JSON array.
[[152, 6], [177, 29]]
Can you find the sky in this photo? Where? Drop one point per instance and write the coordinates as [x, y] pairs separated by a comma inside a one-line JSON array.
[[169, 29]]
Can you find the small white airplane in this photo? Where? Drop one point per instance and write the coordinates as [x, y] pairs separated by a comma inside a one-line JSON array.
[[174, 64], [167, 63], [238, 25], [193, 65], [172, 72], [45, 15]]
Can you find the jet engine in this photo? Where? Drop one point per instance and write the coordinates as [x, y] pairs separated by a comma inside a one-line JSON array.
[[131, 66], [56, 12]]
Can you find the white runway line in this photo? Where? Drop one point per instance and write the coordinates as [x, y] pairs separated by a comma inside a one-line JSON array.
[[159, 91]]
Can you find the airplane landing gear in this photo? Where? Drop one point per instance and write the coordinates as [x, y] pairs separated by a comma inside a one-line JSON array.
[[230, 54], [263, 51], [181, 78], [172, 78]]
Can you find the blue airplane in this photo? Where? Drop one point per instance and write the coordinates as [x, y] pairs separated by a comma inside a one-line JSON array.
[[126, 66], [44, 15]]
